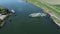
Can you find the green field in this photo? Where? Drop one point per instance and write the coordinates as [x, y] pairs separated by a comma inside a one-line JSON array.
[[57, 7], [46, 5], [52, 2]]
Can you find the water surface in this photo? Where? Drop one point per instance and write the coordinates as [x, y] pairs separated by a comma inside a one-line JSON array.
[[23, 24]]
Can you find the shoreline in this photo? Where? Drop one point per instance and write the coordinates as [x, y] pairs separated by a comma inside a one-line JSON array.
[[2, 23], [3, 17], [52, 15], [45, 10], [56, 23]]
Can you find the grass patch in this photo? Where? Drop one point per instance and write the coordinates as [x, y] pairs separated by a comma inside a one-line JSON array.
[[57, 6], [48, 6]]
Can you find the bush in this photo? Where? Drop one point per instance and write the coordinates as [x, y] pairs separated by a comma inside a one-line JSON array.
[[4, 10]]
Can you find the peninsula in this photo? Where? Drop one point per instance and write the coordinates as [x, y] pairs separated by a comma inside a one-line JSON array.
[[4, 12]]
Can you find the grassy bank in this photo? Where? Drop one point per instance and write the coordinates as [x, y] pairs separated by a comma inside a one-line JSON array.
[[56, 11], [57, 6], [56, 20], [47, 7]]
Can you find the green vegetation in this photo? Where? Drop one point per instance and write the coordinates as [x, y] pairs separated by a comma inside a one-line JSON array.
[[57, 6], [3, 10], [46, 5], [53, 8]]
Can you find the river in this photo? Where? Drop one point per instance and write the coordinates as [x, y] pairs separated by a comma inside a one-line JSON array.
[[21, 23]]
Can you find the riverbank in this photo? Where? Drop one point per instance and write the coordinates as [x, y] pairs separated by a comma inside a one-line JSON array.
[[53, 17], [3, 17], [46, 10], [56, 20]]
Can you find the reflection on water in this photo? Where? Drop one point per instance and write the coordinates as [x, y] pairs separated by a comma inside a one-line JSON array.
[[23, 24]]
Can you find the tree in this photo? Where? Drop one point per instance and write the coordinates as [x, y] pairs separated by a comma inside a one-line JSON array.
[[4, 10]]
